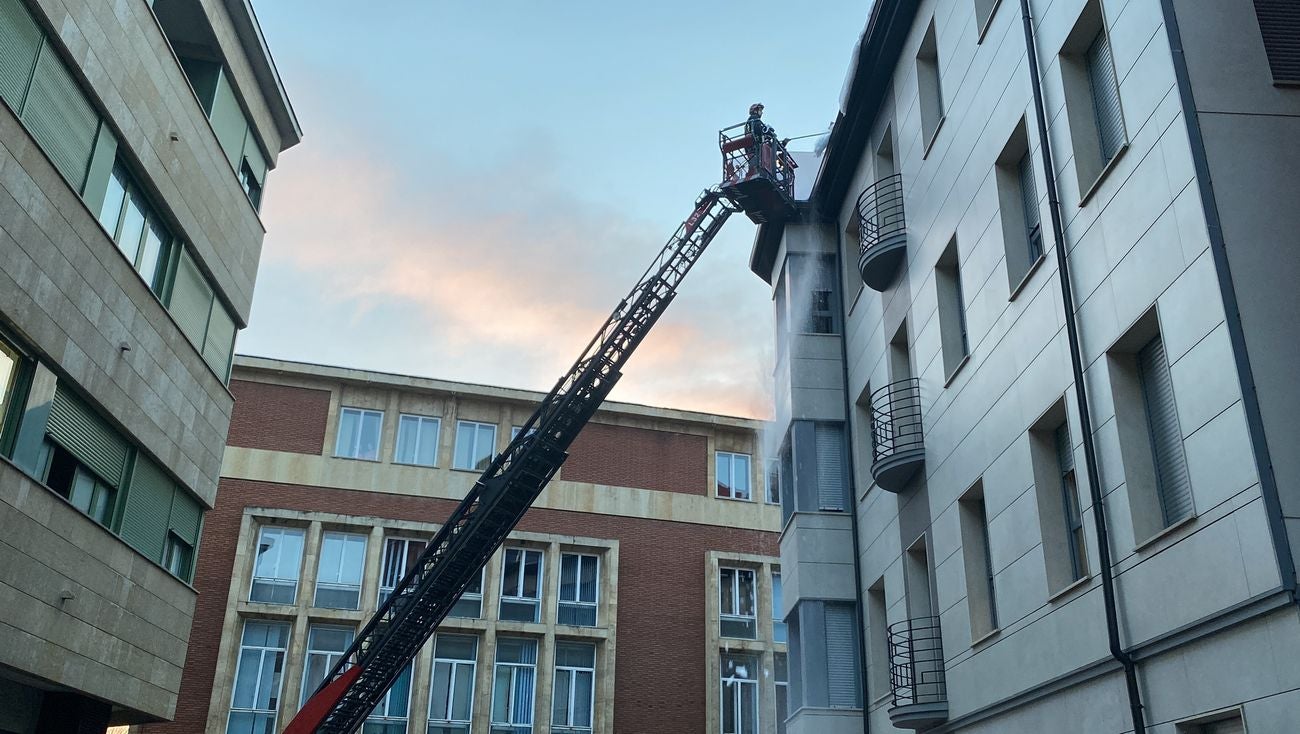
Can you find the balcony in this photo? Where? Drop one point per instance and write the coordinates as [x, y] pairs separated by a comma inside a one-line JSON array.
[[897, 448], [882, 232], [916, 674], [758, 175]]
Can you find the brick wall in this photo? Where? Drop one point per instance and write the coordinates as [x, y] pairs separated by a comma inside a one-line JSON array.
[[661, 608], [622, 456], [278, 417]]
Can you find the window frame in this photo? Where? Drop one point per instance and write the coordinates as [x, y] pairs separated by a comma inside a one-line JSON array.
[[471, 596], [297, 577], [594, 604], [453, 665], [420, 427], [277, 697], [483, 463], [331, 656], [362, 414], [570, 708], [512, 725], [731, 457], [534, 602], [177, 550], [737, 694], [780, 630], [731, 591], [389, 541], [387, 719], [337, 585]]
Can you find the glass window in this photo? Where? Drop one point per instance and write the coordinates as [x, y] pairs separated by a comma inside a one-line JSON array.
[[92, 496], [782, 681], [451, 696], [779, 631], [325, 646], [521, 585], [513, 681], [736, 586], [359, 434], [252, 187], [258, 676], [579, 581], [136, 228], [772, 480], [739, 694], [574, 693], [400, 555], [417, 440], [389, 717], [470, 603], [178, 557], [733, 475], [475, 445], [1075, 540], [276, 568], [338, 578]]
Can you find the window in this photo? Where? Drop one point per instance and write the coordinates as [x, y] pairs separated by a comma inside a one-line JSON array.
[[952, 309], [878, 640], [400, 555], [821, 319], [733, 475], [178, 557], [1060, 515], [828, 439], [325, 647], [579, 580], [1092, 102], [201, 315], [929, 87], [258, 678], [389, 717], [359, 432], [983, 15], [739, 693], [736, 586], [779, 631], [514, 431], [574, 695], [978, 561], [136, 228], [1022, 231], [781, 680], [1278, 20], [83, 458], [275, 570], [13, 376], [338, 578], [470, 603], [842, 664], [1231, 724], [417, 440], [475, 445], [772, 482], [251, 184], [521, 585], [451, 696], [513, 681], [80, 486], [1150, 439]]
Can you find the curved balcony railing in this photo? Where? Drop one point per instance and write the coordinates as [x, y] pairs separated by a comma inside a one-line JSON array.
[[897, 441], [916, 674], [882, 232]]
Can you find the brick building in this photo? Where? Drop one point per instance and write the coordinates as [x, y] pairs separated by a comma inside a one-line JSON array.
[[636, 596]]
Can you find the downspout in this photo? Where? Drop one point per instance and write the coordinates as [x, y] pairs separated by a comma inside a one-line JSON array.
[[853, 492], [1080, 391]]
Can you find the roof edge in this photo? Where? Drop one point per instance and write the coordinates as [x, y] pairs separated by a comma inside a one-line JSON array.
[[268, 76]]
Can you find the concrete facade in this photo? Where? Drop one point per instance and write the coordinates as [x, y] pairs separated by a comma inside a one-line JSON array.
[[1176, 234], [96, 596], [638, 492]]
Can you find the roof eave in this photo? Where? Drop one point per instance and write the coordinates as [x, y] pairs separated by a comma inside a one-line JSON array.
[[268, 77]]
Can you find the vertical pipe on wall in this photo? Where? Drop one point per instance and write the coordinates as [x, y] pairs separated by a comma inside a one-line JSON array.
[[1081, 394]]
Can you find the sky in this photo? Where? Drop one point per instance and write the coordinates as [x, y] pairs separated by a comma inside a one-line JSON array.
[[479, 183]]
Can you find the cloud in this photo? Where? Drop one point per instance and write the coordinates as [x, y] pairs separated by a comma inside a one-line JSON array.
[[494, 274]]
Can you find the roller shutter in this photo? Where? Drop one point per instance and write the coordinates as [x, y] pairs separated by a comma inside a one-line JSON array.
[[1279, 23], [20, 41], [829, 438], [228, 121], [186, 517], [1064, 452], [148, 509], [60, 118], [220, 340], [1105, 97], [841, 655], [87, 437], [191, 300], [1172, 483]]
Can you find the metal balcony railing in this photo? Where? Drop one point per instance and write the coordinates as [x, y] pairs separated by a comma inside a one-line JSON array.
[[882, 231], [897, 445], [916, 673], [744, 158]]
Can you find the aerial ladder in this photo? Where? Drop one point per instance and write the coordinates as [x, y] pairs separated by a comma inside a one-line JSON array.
[[758, 178]]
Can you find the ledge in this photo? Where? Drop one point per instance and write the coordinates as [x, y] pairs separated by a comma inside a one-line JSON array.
[[1105, 173], [1069, 589], [1146, 544], [953, 375], [1024, 279], [935, 136]]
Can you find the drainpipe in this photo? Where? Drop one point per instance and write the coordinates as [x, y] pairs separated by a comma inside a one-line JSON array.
[[852, 487], [1080, 391]]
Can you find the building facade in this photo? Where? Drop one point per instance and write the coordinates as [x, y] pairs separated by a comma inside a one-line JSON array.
[[1037, 335], [636, 595], [135, 140]]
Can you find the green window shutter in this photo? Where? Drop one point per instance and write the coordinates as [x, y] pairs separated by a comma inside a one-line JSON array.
[[191, 301], [86, 436], [20, 41], [60, 118], [186, 517], [220, 340], [256, 163], [228, 121], [148, 509]]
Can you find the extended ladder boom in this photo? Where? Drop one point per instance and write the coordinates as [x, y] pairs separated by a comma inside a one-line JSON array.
[[501, 496]]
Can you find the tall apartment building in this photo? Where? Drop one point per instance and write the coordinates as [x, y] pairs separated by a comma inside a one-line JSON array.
[[637, 595], [972, 542], [135, 139]]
